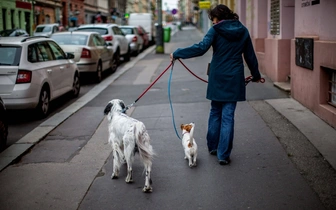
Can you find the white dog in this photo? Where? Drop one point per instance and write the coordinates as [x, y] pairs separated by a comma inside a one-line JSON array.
[[126, 135], [189, 143]]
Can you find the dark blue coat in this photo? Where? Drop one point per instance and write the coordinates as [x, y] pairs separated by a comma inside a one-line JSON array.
[[230, 41]]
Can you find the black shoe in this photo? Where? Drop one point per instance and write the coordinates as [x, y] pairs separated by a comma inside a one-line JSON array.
[[213, 152], [225, 162]]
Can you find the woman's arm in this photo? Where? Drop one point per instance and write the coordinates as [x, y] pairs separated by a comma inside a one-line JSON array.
[[197, 49]]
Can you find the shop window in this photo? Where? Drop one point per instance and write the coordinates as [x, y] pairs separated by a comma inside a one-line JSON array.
[[275, 17]]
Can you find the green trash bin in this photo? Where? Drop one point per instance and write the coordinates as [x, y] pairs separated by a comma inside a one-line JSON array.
[[166, 34]]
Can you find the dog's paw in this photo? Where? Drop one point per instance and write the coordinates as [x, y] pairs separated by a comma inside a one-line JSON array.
[[147, 189], [128, 180], [114, 176]]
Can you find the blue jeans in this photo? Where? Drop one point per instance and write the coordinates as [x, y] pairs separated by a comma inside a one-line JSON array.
[[221, 128]]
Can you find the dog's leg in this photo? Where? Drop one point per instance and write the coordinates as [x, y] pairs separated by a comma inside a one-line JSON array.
[[116, 162], [148, 180], [129, 156], [194, 160]]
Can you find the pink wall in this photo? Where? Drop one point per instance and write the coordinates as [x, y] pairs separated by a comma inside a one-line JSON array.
[[310, 87]]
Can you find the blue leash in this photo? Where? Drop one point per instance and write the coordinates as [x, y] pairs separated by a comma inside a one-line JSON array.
[[171, 105]]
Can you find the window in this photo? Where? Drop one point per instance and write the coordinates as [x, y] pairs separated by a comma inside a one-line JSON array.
[[32, 54], [98, 41], [44, 52], [332, 87], [275, 17], [57, 51], [10, 55]]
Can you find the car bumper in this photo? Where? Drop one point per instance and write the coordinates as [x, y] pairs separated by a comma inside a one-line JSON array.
[[87, 66], [23, 96], [133, 47]]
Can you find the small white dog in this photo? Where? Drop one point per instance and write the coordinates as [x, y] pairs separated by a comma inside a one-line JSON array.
[[189, 143], [126, 135]]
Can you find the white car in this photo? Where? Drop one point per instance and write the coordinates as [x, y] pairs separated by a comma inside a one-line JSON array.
[[35, 71], [111, 33], [46, 29], [135, 40], [94, 55]]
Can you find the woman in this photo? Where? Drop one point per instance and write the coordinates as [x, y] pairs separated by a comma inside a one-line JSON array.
[[230, 40]]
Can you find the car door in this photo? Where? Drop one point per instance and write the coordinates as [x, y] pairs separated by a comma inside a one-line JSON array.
[[121, 38], [103, 52], [62, 67], [49, 68]]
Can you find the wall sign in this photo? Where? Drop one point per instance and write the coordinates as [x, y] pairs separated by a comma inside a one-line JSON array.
[[304, 52]]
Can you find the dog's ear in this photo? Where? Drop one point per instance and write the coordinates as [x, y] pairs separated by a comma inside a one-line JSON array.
[[182, 126], [121, 103], [108, 108]]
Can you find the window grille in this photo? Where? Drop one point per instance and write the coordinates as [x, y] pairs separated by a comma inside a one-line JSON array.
[[275, 17], [332, 87]]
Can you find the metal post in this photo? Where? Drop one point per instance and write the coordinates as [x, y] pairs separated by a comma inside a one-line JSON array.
[[159, 30]]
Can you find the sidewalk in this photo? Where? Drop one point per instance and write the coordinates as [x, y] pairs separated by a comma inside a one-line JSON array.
[[261, 175]]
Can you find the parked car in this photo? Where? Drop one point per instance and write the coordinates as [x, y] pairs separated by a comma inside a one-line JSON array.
[[134, 39], [94, 55], [3, 125], [111, 33], [145, 20], [144, 34], [13, 32], [46, 29], [35, 71]]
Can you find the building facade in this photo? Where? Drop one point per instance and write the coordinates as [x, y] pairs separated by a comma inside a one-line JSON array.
[[16, 14], [295, 42]]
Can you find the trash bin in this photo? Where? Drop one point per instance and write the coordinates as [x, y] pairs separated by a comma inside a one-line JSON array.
[[166, 34]]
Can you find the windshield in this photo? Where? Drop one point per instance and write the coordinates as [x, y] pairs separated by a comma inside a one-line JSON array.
[[10, 55], [43, 29], [70, 39]]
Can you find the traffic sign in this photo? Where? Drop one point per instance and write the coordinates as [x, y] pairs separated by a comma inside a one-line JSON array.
[[174, 11], [204, 4]]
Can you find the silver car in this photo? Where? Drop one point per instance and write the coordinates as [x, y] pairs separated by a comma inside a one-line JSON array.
[[134, 39], [46, 29], [35, 71], [91, 51]]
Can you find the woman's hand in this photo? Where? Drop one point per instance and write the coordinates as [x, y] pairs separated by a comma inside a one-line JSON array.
[[171, 57]]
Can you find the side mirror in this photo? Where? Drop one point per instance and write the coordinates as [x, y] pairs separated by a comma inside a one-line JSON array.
[[70, 56]]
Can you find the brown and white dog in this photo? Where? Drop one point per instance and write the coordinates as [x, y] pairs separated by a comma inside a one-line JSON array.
[[189, 143], [126, 135]]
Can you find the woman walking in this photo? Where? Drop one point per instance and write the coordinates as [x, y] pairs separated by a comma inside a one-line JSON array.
[[231, 42]]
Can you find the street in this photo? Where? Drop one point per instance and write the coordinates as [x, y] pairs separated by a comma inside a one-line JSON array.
[[273, 165]]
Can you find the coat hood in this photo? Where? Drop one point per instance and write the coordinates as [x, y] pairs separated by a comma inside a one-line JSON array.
[[232, 30]]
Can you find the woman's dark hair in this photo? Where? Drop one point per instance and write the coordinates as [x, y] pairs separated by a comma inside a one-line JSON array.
[[222, 12]]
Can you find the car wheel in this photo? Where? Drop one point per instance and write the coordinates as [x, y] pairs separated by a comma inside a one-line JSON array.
[[127, 57], [76, 86], [114, 63], [44, 103], [99, 72], [137, 51]]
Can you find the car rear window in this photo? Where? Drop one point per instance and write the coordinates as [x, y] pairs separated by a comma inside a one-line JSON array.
[[43, 29], [10, 55], [102, 31], [70, 39], [127, 30]]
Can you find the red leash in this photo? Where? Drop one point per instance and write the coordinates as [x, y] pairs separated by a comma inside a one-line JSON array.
[[247, 79]]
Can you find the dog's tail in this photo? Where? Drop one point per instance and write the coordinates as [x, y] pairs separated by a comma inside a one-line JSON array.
[[142, 139], [191, 140]]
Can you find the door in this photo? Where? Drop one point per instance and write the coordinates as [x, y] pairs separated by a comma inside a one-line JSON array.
[[62, 64], [103, 51], [122, 39]]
